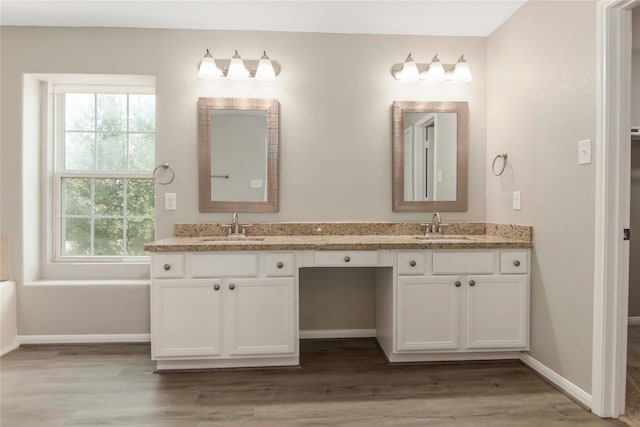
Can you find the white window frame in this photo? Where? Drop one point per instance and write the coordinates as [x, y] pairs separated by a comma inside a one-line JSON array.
[[59, 90]]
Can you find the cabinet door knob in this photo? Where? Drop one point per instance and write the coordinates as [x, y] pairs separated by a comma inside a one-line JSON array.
[[347, 259], [216, 287], [167, 267], [279, 265], [232, 286], [516, 263], [458, 284], [412, 263], [472, 282]]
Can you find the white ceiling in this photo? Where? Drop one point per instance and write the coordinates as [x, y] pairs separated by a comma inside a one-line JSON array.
[[426, 17]]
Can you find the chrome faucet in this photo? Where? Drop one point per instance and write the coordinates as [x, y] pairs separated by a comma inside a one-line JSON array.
[[235, 229]]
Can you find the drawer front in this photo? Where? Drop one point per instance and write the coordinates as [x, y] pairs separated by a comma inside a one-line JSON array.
[[346, 258], [463, 262], [216, 265], [411, 263], [280, 264], [514, 262], [168, 266]]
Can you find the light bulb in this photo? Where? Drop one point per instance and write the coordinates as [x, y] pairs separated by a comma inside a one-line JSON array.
[[237, 70], [208, 69], [436, 73], [462, 73], [409, 72], [265, 71]]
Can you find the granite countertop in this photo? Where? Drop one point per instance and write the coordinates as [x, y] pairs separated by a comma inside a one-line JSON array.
[[484, 236]]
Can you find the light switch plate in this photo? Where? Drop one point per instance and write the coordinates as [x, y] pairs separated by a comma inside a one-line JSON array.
[[584, 152], [517, 200], [170, 202]]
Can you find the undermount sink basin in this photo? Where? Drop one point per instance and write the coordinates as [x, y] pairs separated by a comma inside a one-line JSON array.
[[231, 239], [442, 238]]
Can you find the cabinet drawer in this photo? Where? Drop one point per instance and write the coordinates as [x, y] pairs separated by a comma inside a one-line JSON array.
[[411, 263], [280, 264], [514, 262], [346, 258], [168, 266], [463, 262], [238, 265]]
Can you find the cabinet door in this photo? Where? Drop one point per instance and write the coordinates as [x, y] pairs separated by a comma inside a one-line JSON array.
[[428, 313], [261, 316], [497, 309], [186, 318]]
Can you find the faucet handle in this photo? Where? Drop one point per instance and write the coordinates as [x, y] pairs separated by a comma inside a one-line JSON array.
[[244, 228], [441, 228], [427, 228]]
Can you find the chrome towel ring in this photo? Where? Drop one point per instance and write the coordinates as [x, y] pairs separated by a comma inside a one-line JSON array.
[[165, 166], [502, 156]]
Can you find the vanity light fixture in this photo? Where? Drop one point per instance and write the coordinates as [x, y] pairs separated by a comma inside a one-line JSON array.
[[434, 72], [236, 69]]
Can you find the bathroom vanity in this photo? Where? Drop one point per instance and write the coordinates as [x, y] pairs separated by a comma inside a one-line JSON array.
[[220, 302]]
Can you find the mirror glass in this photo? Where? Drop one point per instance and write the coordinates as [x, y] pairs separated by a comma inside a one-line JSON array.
[[429, 156], [238, 155]]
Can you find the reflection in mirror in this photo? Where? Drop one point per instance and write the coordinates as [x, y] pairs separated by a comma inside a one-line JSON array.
[[429, 156], [238, 155]]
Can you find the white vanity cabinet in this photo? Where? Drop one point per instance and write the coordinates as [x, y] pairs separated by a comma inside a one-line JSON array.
[[456, 304], [227, 310]]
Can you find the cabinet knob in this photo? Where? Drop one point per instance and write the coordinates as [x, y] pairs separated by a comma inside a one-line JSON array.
[[458, 284], [472, 282], [216, 287], [412, 263], [347, 259], [232, 286], [516, 263], [279, 265], [167, 267]]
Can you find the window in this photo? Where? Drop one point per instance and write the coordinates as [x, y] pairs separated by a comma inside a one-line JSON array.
[[104, 160]]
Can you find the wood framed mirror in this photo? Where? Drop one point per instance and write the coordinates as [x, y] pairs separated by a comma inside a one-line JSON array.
[[238, 147], [430, 151]]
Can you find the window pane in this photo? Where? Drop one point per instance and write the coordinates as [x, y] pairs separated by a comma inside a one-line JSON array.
[[76, 196], [142, 113], [142, 152], [76, 236], [109, 197], [139, 232], [108, 236], [140, 197], [112, 112], [79, 151], [112, 151], [79, 111]]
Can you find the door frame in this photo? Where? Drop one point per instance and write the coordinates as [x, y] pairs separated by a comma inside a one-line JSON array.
[[612, 200]]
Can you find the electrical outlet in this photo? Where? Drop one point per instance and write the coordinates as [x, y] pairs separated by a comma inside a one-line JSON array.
[[517, 200], [170, 202], [256, 183]]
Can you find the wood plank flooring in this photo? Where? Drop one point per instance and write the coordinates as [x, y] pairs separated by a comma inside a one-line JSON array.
[[341, 382], [632, 412]]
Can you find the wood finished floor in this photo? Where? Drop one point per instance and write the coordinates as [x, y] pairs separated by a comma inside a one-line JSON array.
[[342, 382], [632, 412]]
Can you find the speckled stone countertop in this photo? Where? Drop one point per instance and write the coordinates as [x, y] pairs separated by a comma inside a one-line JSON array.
[[343, 236]]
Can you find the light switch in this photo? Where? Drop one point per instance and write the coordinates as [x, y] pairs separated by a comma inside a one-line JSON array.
[[170, 201], [256, 183], [517, 200], [584, 152], [439, 175]]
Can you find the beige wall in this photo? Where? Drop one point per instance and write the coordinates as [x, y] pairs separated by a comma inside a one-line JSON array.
[[335, 94], [634, 265], [541, 81]]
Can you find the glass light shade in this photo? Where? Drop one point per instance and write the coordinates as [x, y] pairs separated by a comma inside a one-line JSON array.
[[265, 71], [462, 73], [208, 69], [409, 72], [237, 70], [436, 72]]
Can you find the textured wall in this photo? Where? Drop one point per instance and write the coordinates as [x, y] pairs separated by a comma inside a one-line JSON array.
[[541, 101]]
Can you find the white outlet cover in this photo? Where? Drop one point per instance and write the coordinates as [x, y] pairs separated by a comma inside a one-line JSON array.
[[170, 203], [256, 183]]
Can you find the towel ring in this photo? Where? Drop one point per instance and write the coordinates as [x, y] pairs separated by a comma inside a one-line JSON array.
[[504, 164], [165, 166]]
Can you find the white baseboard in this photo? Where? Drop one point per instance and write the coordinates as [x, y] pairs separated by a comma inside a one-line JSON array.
[[337, 333], [83, 338], [635, 320], [9, 349], [561, 382]]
